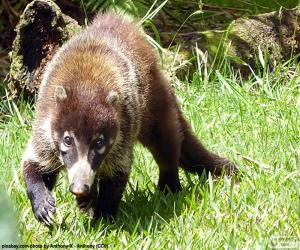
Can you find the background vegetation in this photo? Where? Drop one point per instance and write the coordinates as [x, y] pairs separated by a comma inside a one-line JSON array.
[[255, 122]]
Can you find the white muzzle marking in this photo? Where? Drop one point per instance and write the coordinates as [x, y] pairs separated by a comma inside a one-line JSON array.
[[81, 172]]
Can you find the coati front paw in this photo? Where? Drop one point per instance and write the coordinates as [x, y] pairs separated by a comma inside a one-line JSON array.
[[43, 207]]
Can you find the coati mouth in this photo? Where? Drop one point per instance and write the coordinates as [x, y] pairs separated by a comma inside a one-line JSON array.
[[79, 189]]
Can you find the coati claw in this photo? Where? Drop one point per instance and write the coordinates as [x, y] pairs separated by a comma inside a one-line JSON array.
[[44, 208], [51, 216], [51, 201]]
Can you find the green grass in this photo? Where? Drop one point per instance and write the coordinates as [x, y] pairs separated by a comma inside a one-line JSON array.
[[256, 124]]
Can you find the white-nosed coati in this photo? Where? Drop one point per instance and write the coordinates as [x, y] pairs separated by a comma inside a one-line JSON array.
[[103, 91]]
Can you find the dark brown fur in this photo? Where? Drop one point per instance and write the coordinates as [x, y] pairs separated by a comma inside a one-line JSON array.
[[89, 68]]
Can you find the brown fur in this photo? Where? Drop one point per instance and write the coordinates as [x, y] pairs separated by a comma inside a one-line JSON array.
[[114, 85]]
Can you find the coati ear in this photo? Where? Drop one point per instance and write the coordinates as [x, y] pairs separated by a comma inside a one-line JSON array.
[[60, 93], [112, 98]]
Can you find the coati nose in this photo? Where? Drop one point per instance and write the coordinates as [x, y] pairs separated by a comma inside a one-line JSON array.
[[79, 190]]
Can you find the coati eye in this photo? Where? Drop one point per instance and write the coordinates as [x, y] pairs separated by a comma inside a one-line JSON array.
[[99, 142], [68, 141]]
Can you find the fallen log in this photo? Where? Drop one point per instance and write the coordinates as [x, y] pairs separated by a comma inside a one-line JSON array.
[[42, 29], [272, 37]]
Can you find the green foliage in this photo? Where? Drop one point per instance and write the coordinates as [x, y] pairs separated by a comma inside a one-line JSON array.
[[125, 5], [254, 6], [255, 123], [190, 15]]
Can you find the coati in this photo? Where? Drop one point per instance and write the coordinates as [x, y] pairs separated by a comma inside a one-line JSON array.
[[103, 91]]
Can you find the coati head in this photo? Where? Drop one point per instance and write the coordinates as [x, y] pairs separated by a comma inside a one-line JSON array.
[[86, 127]]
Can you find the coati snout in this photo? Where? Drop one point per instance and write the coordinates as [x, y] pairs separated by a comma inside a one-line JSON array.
[[81, 177], [79, 189]]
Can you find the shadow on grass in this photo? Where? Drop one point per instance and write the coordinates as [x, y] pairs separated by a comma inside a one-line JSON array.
[[145, 210]]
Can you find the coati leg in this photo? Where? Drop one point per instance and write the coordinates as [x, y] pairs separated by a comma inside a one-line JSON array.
[[164, 143], [39, 186], [110, 194], [194, 157], [162, 137]]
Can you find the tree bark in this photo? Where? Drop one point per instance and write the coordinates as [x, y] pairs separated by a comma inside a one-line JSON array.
[[42, 29]]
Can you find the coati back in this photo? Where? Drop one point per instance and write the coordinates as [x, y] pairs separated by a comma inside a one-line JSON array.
[[102, 92]]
